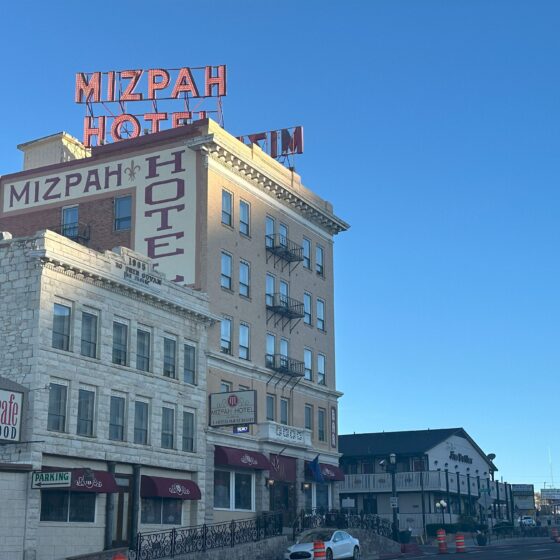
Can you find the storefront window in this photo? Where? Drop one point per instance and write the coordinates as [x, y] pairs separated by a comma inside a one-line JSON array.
[[221, 489], [66, 506], [161, 511], [241, 498], [322, 497], [243, 491]]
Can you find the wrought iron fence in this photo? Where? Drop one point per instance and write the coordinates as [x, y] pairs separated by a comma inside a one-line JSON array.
[[184, 540], [313, 518]]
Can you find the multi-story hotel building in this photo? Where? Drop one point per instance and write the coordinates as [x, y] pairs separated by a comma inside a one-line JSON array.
[[103, 362], [229, 221]]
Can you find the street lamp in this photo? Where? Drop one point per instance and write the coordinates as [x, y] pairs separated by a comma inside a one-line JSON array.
[[392, 469], [442, 504]]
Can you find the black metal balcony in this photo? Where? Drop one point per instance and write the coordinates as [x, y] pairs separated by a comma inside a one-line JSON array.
[[284, 365], [285, 306], [77, 232], [283, 249]]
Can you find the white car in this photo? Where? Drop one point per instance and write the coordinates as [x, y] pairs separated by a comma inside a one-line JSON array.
[[527, 521], [338, 544]]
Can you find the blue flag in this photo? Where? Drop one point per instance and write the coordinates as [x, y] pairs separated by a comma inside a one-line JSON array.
[[316, 470]]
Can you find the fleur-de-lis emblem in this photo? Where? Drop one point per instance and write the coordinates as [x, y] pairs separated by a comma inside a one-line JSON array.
[[131, 170]]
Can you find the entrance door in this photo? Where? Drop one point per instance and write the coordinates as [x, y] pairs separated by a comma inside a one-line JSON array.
[[123, 511], [283, 498]]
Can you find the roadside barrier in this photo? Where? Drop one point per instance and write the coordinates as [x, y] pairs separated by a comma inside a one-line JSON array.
[[120, 556], [319, 550], [442, 542], [460, 543], [554, 534]]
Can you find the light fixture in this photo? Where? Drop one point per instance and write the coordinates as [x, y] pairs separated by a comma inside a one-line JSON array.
[[305, 486], [269, 482], [392, 458]]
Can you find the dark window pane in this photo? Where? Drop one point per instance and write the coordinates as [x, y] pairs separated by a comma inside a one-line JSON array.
[[143, 350], [61, 327], [85, 412], [141, 423], [189, 364], [116, 420], [171, 511], [54, 505], [243, 488], [221, 489], [120, 343], [82, 506], [151, 511], [123, 206], [57, 408], [89, 335]]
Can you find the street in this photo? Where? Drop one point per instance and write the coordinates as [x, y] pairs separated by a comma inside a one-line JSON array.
[[535, 551]]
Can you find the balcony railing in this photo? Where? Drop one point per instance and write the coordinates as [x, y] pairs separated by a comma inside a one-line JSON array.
[[283, 248], [78, 232], [285, 365], [282, 433], [285, 306]]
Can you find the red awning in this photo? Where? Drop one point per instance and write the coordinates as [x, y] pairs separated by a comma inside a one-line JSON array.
[[283, 468], [157, 486], [87, 480], [329, 472], [240, 458]]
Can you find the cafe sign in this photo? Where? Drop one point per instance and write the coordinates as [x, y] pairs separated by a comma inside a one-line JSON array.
[[233, 409], [10, 415]]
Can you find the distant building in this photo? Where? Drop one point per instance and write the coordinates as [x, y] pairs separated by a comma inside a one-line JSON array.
[[430, 466], [523, 499], [103, 368]]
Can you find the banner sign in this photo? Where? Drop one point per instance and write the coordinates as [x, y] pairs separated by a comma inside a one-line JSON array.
[[236, 408], [10, 415], [550, 494]]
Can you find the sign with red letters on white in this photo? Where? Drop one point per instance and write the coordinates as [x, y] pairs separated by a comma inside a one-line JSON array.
[[10, 415]]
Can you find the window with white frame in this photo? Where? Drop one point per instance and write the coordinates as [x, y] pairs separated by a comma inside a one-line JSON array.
[[244, 278], [244, 340], [284, 411], [225, 277], [123, 213], [234, 490], [169, 357], [270, 407], [70, 223], [56, 420], [269, 231], [225, 335], [167, 427], [89, 335], [141, 411], [226, 386], [188, 431], [120, 343], [307, 308], [320, 314], [227, 205], [321, 374], [306, 246], [244, 217], [283, 235], [270, 288], [308, 364], [284, 292], [161, 511], [319, 265], [67, 507], [116, 418], [189, 364], [86, 410], [61, 326], [143, 349]]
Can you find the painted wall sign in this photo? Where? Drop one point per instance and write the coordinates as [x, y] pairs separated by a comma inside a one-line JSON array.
[[277, 143], [164, 189], [153, 86], [334, 428], [233, 409], [10, 415], [460, 457]]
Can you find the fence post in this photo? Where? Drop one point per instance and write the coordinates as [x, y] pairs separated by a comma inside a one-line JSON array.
[[204, 534], [258, 525], [232, 529], [138, 544], [173, 533]]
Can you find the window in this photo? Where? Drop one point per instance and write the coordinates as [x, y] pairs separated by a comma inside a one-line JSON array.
[[306, 245], [89, 335], [120, 343], [141, 423], [307, 308], [66, 506], [270, 407], [167, 427], [320, 314], [270, 287], [123, 206], [284, 293], [70, 222], [283, 235], [308, 417], [86, 400], [169, 357], [116, 419], [244, 278], [321, 425], [143, 350], [269, 231], [162, 511], [61, 327], [320, 369], [270, 349], [244, 217], [319, 269], [225, 335], [308, 364], [225, 279], [227, 217], [284, 411], [244, 341], [284, 347], [225, 387], [241, 498], [188, 431], [56, 420], [189, 364]]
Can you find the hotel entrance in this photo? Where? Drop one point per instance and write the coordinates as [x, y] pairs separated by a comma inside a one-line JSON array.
[[283, 489]]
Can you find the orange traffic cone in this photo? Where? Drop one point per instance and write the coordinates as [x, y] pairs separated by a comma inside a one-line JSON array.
[[442, 542], [120, 556], [319, 550], [460, 543]]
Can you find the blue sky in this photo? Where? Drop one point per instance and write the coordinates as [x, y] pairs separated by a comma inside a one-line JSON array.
[[432, 126]]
